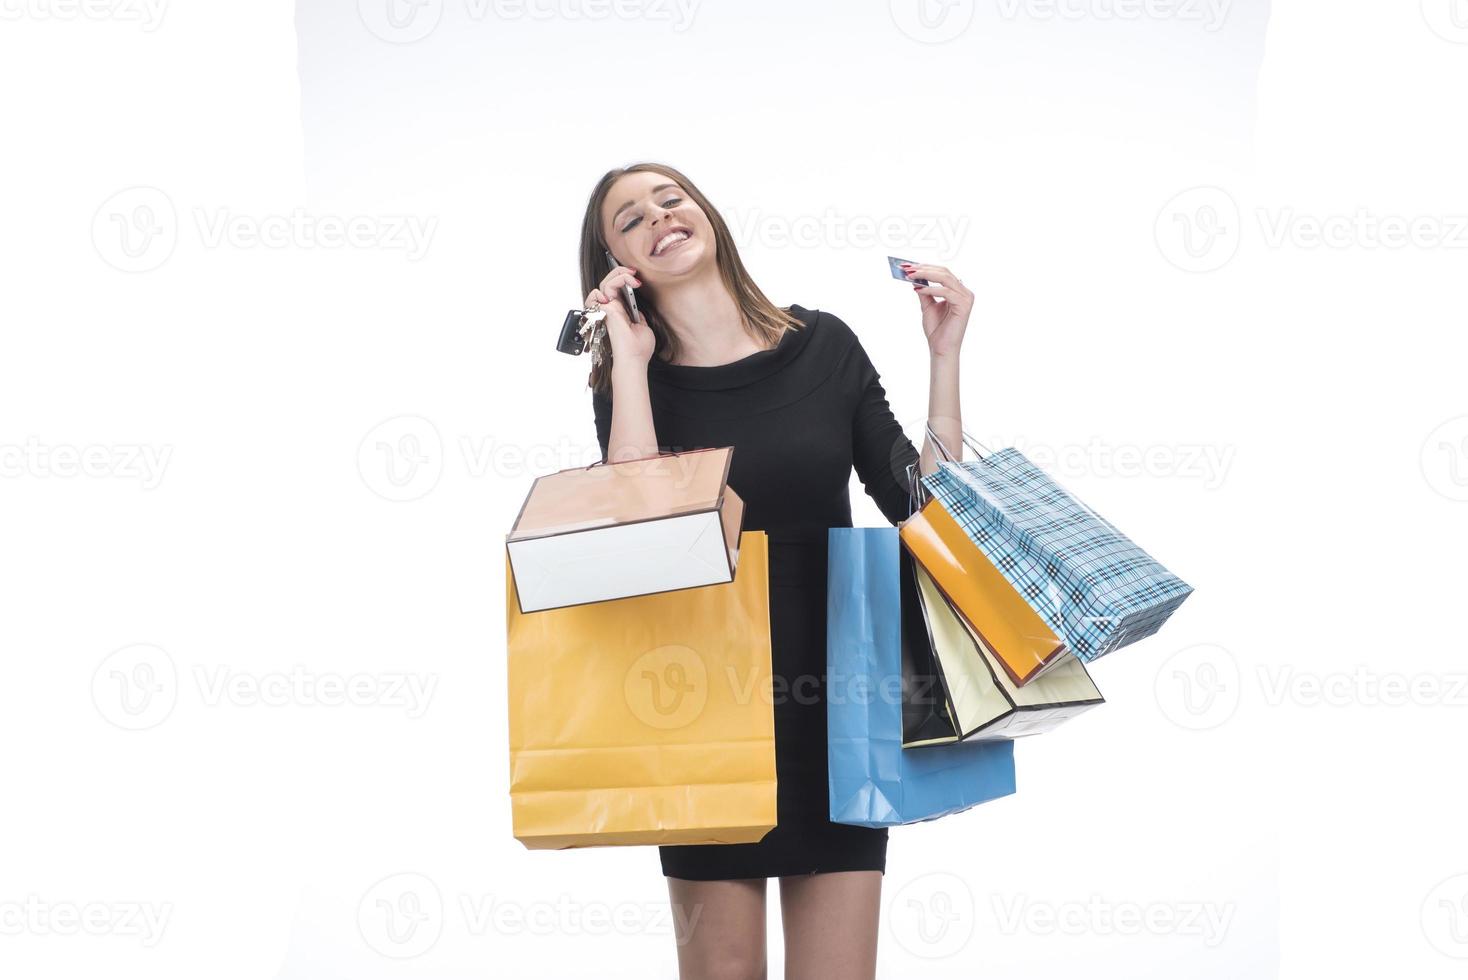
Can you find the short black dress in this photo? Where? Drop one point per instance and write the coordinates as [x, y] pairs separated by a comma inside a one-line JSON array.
[[800, 417]]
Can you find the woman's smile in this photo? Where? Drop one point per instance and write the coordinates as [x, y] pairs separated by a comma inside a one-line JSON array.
[[671, 239]]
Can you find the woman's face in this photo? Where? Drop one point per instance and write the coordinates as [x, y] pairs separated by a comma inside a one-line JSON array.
[[655, 228]]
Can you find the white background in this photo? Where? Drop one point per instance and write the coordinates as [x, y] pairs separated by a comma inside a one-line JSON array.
[[236, 469]]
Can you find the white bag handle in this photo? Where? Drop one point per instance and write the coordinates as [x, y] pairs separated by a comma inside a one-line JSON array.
[[917, 494], [978, 447]]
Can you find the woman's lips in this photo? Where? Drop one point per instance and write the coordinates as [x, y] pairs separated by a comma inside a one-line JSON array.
[[661, 249]]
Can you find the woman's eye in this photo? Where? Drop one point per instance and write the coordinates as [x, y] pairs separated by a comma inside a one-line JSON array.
[[670, 202]]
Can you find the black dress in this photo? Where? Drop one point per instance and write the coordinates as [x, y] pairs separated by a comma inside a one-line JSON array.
[[800, 416]]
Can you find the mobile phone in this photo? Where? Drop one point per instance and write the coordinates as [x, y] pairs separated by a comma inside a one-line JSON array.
[[628, 295]]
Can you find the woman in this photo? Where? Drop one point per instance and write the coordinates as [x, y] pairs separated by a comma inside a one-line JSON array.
[[712, 362]]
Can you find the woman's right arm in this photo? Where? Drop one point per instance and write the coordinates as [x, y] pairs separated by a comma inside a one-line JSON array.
[[631, 434]]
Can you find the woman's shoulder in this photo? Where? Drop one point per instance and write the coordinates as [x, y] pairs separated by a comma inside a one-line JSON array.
[[834, 350], [825, 327]]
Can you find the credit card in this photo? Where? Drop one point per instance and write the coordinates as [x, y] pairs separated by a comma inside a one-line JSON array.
[[894, 263]]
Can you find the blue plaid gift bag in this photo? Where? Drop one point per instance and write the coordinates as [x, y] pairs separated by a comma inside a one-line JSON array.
[[1087, 580]]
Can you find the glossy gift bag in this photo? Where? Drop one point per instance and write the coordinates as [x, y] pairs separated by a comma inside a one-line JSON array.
[[981, 700], [1021, 641], [874, 781], [645, 720]]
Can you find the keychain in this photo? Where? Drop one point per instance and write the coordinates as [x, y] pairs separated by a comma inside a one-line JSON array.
[[582, 329], [593, 323]]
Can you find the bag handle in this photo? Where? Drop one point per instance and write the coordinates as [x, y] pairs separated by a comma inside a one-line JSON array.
[[979, 448], [638, 459], [917, 494]]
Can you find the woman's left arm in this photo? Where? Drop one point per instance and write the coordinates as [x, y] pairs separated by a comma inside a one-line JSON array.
[[946, 304], [882, 452]]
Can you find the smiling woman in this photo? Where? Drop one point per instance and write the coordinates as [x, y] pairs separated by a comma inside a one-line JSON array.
[[714, 363], [676, 205]]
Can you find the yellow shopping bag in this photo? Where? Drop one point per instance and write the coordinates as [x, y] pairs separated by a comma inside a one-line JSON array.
[[645, 720]]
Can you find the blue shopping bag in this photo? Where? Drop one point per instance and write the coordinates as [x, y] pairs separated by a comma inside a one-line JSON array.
[[874, 781], [1090, 583]]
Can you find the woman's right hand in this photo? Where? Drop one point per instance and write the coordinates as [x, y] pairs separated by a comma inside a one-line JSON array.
[[632, 343]]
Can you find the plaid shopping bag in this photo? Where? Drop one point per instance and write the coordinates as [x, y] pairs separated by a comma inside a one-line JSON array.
[[1092, 584]]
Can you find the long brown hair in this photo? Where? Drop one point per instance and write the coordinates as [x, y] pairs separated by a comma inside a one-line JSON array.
[[762, 318]]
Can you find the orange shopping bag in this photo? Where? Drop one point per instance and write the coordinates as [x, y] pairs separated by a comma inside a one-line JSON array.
[[979, 593], [645, 720]]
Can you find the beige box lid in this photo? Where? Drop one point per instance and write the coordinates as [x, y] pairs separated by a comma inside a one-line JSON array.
[[605, 494]]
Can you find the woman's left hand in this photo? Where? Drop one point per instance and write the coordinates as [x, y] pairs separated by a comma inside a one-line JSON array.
[[946, 304]]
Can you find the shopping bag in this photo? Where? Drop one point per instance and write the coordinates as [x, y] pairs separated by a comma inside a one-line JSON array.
[[635, 527], [1021, 641], [874, 781], [645, 720], [1091, 584], [982, 701], [927, 716]]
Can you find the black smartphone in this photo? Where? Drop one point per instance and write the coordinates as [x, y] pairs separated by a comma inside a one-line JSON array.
[[629, 296]]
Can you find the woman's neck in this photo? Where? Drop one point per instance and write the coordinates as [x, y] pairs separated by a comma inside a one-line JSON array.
[[705, 319]]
